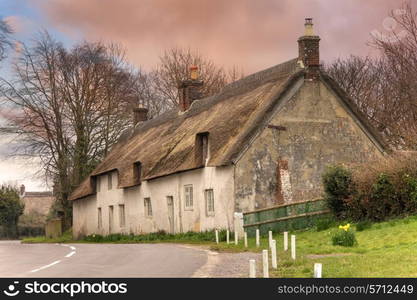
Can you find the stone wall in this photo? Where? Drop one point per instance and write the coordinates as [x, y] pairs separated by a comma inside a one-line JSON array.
[[286, 161]]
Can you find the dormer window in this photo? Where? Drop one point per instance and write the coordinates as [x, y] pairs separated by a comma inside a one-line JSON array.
[[137, 171], [202, 148]]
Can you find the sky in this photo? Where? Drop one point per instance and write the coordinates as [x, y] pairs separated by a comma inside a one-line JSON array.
[[251, 35]]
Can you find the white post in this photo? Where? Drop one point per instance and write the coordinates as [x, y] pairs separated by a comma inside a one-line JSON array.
[[252, 268], [285, 241], [269, 238], [227, 236], [257, 238], [245, 237], [293, 246], [236, 238], [274, 254], [317, 270], [265, 263], [217, 236]]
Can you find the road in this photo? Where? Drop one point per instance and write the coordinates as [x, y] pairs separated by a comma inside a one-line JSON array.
[[99, 260]]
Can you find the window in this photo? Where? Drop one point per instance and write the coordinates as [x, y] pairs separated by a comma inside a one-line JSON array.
[[201, 148], [188, 191], [98, 183], [209, 197], [99, 218], [110, 218], [109, 181], [122, 218], [148, 207]]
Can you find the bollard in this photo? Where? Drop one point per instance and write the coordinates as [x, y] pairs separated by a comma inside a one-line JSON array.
[[258, 243], [293, 246], [265, 263], [245, 237], [227, 236], [252, 268], [274, 254], [269, 238], [236, 238], [217, 236], [285, 241], [317, 270]]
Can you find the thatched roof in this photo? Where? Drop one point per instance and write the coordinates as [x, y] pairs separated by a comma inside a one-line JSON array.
[[165, 145]]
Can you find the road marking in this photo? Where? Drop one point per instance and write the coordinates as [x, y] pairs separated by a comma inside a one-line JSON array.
[[47, 266], [70, 254], [72, 248]]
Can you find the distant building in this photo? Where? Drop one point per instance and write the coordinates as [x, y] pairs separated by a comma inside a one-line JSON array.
[[37, 204], [262, 141]]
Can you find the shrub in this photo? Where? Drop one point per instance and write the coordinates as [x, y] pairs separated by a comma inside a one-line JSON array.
[[363, 225], [10, 210], [338, 187], [324, 223], [344, 237]]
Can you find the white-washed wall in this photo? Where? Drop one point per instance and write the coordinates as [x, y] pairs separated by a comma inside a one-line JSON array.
[[218, 179]]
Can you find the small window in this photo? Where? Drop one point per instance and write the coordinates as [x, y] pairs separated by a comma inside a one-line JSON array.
[[99, 219], [209, 197], [188, 191], [148, 207], [109, 181], [98, 183], [122, 217], [137, 170]]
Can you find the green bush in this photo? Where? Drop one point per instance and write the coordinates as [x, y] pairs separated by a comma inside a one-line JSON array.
[[345, 238], [363, 225], [10, 210], [324, 223], [338, 187]]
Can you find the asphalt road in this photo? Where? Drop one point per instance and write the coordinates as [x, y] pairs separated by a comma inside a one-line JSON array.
[[99, 260]]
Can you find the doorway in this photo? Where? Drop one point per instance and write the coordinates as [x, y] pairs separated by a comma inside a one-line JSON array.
[[170, 204]]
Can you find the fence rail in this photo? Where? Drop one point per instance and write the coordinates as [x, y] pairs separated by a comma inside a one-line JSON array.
[[285, 217]]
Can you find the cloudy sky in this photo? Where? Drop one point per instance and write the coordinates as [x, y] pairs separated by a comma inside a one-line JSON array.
[[249, 34]]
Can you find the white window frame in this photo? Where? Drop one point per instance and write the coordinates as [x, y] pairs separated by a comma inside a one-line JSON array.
[[188, 197], [122, 215], [147, 203], [209, 200]]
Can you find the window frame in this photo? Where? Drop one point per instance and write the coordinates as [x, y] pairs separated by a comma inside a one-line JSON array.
[[188, 204], [209, 202], [148, 207]]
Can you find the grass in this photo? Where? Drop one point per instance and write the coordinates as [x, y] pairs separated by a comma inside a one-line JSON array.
[[205, 237], [386, 249]]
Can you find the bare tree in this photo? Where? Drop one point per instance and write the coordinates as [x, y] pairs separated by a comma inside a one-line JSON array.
[[174, 67], [5, 38], [71, 107], [385, 88]]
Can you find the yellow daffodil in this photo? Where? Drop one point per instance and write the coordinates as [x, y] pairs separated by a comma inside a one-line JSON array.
[[345, 228]]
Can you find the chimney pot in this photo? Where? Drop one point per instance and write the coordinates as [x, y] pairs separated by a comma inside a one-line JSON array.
[[22, 190], [140, 114]]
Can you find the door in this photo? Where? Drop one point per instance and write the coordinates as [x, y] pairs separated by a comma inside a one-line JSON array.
[[170, 203], [110, 218]]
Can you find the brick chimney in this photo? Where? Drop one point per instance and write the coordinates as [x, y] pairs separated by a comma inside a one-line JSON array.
[[140, 114], [190, 89], [309, 51]]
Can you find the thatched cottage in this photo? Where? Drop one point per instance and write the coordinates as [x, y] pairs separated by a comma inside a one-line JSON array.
[[262, 141]]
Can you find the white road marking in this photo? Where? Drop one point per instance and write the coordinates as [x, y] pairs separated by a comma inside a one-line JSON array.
[[47, 266], [70, 254], [72, 248]]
